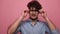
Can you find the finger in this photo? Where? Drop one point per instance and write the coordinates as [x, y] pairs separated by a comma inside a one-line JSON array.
[[26, 11], [42, 9]]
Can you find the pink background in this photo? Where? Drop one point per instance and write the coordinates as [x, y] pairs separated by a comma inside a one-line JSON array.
[[11, 9]]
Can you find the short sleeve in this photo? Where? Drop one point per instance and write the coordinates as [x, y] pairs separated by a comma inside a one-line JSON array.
[[49, 31], [55, 31]]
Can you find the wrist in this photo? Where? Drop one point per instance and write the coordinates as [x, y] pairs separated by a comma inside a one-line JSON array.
[[45, 17], [21, 17]]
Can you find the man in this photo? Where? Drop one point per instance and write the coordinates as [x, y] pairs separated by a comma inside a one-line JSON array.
[[33, 25]]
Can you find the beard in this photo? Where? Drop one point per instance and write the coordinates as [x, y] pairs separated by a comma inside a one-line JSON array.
[[33, 19]]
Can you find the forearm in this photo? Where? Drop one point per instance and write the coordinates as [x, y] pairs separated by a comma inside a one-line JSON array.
[[14, 26], [50, 23]]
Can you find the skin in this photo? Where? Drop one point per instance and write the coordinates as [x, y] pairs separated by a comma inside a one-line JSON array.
[[33, 15], [43, 14]]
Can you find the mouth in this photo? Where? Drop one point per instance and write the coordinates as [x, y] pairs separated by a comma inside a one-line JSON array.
[[33, 15]]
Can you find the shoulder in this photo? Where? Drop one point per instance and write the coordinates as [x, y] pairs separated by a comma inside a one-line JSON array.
[[24, 22], [43, 22]]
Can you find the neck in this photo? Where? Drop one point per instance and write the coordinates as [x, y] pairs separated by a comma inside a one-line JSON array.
[[33, 20]]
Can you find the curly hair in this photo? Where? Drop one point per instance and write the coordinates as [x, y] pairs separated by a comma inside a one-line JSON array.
[[35, 4]]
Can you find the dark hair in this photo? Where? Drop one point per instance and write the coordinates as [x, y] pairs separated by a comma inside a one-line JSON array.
[[35, 4]]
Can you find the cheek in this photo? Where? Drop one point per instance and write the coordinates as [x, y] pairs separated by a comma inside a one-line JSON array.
[[37, 14], [30, 13]]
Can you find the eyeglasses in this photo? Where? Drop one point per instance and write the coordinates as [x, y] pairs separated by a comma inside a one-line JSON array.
[[31, 11], [34, 10]]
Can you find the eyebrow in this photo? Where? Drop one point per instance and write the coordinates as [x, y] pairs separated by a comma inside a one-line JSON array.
[[33, 10]]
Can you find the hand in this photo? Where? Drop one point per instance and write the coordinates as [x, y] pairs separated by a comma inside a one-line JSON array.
[[43, 13], [25, 13]]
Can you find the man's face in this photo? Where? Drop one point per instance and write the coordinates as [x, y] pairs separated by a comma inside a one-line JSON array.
[[33, 13]]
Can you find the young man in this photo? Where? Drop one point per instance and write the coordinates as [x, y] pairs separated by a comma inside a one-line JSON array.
[[33, 25]]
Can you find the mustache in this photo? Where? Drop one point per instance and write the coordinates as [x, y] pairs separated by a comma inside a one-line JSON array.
[[33, 14]]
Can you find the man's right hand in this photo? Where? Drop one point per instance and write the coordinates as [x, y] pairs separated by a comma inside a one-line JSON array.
[[24, 14]]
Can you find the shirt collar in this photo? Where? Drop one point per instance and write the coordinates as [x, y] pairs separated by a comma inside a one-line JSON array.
[[29, 20]]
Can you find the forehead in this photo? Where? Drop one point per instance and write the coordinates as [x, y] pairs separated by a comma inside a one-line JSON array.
[[33, 9]]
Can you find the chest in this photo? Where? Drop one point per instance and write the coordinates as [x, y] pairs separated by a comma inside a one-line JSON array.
[[29, 28]]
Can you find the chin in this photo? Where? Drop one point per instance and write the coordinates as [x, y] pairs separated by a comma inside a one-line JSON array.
[[33, 18]]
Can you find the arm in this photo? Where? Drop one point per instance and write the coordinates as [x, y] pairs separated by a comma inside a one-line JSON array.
[[50, 24], [13, 27]]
